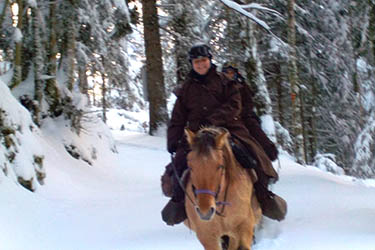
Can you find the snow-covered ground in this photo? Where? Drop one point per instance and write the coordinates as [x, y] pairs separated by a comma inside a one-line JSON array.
[[115, 205]]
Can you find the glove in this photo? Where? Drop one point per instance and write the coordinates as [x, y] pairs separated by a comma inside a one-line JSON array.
[[271, 151], [172, 146]]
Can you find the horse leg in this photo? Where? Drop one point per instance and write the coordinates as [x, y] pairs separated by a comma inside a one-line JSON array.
[[247, 236], [210, 242], [233, 243]]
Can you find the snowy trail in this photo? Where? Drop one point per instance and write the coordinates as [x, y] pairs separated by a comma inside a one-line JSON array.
[[117, 207]]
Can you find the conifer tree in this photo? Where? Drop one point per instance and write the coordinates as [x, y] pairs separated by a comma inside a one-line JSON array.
[[154, 67], [294, 86], [17, 76], [52, 92], [38, 62]]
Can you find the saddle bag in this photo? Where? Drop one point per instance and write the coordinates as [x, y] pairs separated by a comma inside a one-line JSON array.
[[167, 181]]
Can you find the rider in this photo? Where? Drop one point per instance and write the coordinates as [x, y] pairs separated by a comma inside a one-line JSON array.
[[251, 120], [209, 98], [272, 205]]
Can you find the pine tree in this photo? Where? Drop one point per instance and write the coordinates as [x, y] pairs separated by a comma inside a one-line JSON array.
[[371, 29], [3, 12], [294, 86], [38, 62], [154, 67], [17, 76], [52, 92]]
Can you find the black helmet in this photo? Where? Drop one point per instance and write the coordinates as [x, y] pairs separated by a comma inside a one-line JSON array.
[[201, 50], [230, 65], [233, 66]]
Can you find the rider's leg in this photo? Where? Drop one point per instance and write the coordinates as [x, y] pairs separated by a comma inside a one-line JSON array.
[[174, 212], [272, 205]]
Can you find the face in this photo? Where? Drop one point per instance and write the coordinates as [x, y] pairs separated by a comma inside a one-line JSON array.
[[201, 65], [230, 74]]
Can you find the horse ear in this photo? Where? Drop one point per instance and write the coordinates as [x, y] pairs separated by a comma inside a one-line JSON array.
[[221, 139], [190, 135]]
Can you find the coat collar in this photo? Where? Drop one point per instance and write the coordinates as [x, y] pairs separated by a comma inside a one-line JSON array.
[[202, 78]]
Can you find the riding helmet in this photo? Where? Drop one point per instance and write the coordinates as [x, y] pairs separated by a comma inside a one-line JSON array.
[[198, 51]]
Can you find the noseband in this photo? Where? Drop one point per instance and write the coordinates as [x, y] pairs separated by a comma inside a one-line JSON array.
[[215, 195]]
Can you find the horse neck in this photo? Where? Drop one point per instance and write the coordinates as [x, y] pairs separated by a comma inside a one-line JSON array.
[[233, 169]]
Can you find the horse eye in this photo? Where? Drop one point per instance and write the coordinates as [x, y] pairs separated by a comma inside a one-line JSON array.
[[220, 167]]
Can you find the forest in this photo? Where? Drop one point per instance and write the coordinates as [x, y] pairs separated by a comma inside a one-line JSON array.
[[310, 63]]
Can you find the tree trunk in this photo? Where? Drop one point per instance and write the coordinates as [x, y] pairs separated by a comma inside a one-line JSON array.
[[304, 132], [104, 98], [154, 67], [69, 44], [182, 45], [52, 92], [71, 47], [255, 74], [83, 83], [293, 79], [17, 75], [257, 80], [38, 62], [279, 91], [3, 12], [311, 133], [182, 65], [371, 29]]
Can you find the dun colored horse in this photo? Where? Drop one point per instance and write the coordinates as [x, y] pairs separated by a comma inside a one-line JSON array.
[[220, 200]]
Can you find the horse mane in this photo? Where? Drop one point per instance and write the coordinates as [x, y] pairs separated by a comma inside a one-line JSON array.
[[205, 143]]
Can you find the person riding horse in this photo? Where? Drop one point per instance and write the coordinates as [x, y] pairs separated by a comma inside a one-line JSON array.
[[248, 116], [208, 98]]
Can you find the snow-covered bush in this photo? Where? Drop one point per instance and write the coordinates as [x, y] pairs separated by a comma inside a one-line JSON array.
[[21, 154], [26, 150], [326, 162], [364, 161]]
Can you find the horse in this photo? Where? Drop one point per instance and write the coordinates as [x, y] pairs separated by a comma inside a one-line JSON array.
[[220, 201]]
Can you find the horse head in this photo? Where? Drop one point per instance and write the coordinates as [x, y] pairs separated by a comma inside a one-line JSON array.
[[208, 164]]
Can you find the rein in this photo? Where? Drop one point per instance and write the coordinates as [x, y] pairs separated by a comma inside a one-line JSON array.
[[180, 181]]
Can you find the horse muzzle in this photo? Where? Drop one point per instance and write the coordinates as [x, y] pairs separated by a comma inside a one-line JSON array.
[[205, 216]]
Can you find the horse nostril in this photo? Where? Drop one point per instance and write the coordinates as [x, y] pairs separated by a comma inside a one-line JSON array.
[[212, 211], [207, 216], [197, 209]]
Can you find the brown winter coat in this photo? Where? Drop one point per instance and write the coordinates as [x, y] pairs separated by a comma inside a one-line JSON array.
[[213, 100], [252, 122]]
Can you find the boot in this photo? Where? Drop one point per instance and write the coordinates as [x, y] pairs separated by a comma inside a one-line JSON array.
[[273, 206], [174, 212]]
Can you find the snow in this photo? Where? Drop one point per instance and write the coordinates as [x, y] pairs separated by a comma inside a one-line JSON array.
[[110, 198], [326, 162], [268, 126], [121, 5], [17, 35], [115, 204], [32, 3]]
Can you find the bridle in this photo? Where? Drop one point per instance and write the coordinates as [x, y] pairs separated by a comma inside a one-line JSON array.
[[215, 195], [203, 191]]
